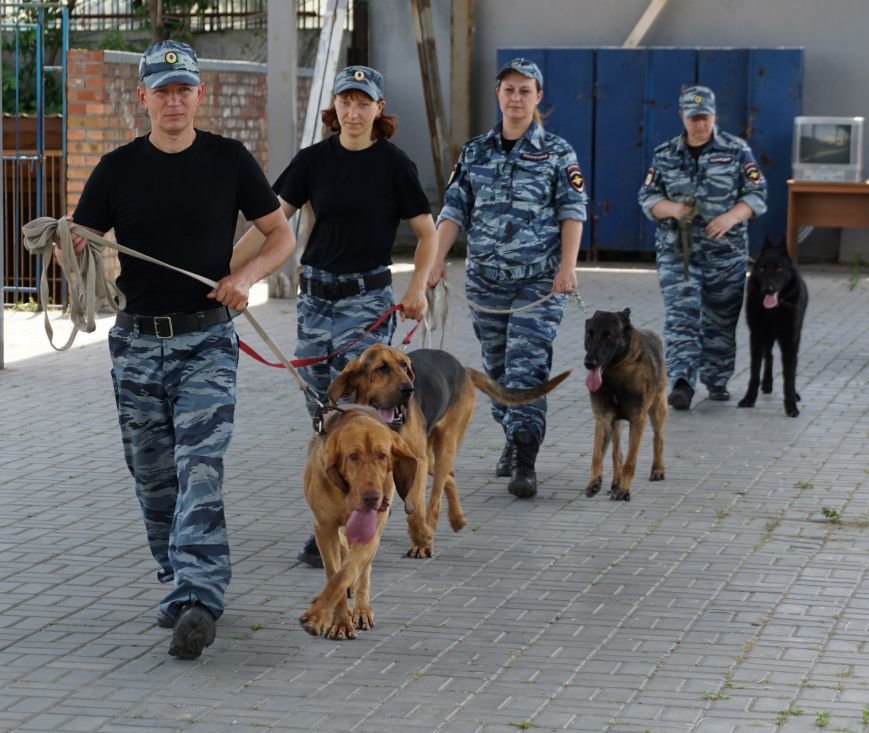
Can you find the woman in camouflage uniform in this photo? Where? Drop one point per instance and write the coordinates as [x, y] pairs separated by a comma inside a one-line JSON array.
[[519, 194], [702, 188]]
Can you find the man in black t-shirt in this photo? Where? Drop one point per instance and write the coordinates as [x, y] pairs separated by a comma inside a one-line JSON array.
[[175, 194]]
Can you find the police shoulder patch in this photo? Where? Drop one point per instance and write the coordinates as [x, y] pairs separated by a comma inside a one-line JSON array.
[[453, 174], [575, 177], [752, 172], [650, 175]]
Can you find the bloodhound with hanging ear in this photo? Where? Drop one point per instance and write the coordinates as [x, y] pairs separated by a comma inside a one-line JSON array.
[[354, 469]]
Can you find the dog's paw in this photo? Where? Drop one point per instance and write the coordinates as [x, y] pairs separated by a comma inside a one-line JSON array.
[[791, 409], [340, 625], [619, 494], [657, 474], [313, 622], [457, 522], [766, 387], [746, 402], [419, 552], [593, 486], [363, 618]]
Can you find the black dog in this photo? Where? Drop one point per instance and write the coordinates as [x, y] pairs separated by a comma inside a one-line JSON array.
[[626, 381], [775, 304]]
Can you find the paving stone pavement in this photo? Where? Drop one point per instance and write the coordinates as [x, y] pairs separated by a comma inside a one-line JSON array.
[[720, 600]]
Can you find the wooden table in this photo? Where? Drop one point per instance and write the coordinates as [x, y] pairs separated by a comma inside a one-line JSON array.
[[825, 204]]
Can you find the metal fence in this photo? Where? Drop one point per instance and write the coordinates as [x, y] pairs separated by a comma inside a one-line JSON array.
[[33, 186], [211, 15], [34, 150]]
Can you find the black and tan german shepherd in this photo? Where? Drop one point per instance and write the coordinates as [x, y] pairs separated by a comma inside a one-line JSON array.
[[627, 380], [775, 304]]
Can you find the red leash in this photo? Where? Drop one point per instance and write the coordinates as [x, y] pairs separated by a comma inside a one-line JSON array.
[[250, 351]]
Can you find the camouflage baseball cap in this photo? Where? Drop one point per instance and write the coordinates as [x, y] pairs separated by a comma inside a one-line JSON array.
[[696, 100], [169, 62], [524, 67], [363, 78]]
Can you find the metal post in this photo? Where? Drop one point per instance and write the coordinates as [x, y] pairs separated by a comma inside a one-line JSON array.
[[281, 101], [281, 106], [2, 219]]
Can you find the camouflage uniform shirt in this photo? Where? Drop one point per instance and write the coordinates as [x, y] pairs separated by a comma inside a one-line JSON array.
[[724, 174], [512, 204]]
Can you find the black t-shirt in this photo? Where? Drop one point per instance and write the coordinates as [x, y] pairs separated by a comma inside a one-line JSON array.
[[181, 208], [358, 197], [508, 145], [697, 150]]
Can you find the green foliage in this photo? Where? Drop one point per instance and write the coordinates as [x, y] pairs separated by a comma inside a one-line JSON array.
[[114, 40], [176, 14], [832, 514], [24, 78], [822, 718]]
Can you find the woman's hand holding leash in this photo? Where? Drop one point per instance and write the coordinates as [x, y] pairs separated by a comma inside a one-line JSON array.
[[565, 281], [437, 273], [413, 304]]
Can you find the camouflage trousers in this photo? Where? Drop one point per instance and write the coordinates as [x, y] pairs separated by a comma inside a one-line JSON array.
[[176, 405], [327, 326], [701, 313], [516, 348]]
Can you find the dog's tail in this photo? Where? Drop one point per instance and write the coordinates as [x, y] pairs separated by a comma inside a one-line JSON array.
[[508, 395]]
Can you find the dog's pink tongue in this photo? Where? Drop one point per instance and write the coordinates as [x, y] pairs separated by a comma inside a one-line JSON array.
[[770, 301], [594, 379], [385, 415], [361, 527]]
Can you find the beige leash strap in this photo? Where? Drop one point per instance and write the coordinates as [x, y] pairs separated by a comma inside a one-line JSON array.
[[436, 314], [483, 309], [88, 282]]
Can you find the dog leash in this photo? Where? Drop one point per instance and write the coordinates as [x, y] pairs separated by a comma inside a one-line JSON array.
[[88, 281], [436, 313], [494, 311], [250, 351]]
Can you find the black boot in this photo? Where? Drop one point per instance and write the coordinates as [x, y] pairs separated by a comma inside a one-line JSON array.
[[504, 467], [310, 553], [523, 481]]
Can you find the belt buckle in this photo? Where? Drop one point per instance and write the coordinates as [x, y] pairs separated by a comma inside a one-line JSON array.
[[158, 320]]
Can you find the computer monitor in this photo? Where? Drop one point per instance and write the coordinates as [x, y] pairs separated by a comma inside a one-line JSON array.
[[828, 149]]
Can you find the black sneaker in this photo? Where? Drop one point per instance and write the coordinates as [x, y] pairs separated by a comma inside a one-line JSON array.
[[681, 395], [194, 630], [310, 553], [718, 394]]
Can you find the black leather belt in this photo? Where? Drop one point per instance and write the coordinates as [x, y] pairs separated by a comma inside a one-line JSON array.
[[344, 288], [165, 327]]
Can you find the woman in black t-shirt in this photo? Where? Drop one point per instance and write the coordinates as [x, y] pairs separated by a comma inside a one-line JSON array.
[[360, 186]]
